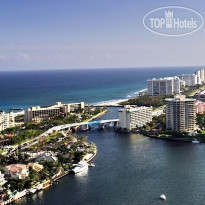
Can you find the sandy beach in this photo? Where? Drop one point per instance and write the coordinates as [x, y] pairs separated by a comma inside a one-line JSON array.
[[111, 102]]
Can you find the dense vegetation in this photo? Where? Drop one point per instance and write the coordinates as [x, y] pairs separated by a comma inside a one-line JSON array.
[[158, 122], [200, 120], [146, 100], [31, 129], [190, 90]]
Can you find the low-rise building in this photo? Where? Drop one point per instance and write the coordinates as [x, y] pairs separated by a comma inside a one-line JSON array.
[[200, 107], [7, 120], [35, 166], [46, 157], [17, 171], [43, 113], [133, 117]]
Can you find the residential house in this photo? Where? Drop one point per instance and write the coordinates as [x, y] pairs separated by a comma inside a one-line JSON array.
[[19, 171]]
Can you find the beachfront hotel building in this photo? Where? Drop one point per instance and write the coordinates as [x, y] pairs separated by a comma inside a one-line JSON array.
[[7, 120], [180, 113], [43, 113], [189, 79], [163, 86], [133, 117]]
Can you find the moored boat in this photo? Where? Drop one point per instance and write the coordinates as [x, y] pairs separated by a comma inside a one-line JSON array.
[[81, 166], [195, 141], [32, 190]]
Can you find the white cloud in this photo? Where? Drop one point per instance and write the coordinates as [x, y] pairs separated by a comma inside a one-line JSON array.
[[23, 56]]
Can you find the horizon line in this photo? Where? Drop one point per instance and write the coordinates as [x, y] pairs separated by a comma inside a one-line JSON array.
[[87, 68]]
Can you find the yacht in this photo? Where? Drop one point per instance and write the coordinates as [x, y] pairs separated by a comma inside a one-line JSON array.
[[163, 197], [195, 141], [81, 166]]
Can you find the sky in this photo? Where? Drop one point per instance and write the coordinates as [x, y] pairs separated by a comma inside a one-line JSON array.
[[67, 34]]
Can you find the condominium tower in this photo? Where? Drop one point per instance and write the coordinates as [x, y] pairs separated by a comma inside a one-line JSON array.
[[200, 76], [133, 117], [180, 113], [163, 86], [190, 79]]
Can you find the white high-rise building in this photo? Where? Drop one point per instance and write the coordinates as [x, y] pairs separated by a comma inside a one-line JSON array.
[[190, 79], [200, 76], [182, 83], [163, 86], [133, 117], [177, 85], [202, 72], [180, 113], [7, 120], [198, 80]]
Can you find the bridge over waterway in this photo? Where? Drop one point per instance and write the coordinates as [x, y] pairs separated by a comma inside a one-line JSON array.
[[82, 125], [67, 127]]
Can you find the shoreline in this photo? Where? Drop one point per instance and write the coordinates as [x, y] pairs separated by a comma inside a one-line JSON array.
[[118, 101], [49, 182], [172, 139], [114, 103]]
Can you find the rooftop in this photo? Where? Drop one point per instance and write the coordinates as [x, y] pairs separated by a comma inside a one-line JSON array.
[[179, 98]]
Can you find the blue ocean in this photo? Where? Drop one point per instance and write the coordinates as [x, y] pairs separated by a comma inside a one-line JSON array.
[[22, 89]]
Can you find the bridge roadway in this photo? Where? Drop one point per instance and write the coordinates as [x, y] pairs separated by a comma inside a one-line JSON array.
[[60, 128]]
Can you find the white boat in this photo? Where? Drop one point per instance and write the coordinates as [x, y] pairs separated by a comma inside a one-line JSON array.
[[32, 190], [91, 165], [39, 187], [81, 166], [195, 141], [163, 197]]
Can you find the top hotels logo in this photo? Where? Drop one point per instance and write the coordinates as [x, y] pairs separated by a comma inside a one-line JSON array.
[[173, 21]]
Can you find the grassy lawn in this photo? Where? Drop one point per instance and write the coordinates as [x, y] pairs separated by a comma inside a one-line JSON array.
[[2, 151], [203, 132], [95, 116], [53, 137]]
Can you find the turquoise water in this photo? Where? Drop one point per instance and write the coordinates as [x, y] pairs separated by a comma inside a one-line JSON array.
[[30, 88]]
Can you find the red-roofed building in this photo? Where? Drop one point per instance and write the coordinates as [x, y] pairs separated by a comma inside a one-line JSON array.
[[19, 171]]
